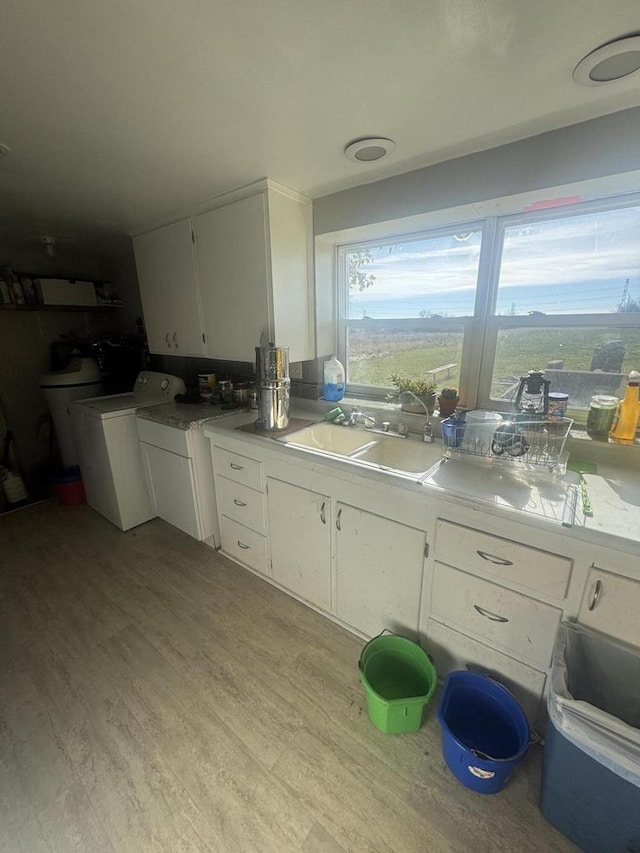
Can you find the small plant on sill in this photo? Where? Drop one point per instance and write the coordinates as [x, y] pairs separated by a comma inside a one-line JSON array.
[[447, 401], [424, 389]]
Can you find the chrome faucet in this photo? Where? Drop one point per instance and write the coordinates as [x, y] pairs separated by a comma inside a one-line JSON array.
[[356, 417], [427, 430]]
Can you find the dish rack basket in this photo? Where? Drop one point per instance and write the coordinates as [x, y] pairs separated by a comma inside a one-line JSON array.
[[531, 443]]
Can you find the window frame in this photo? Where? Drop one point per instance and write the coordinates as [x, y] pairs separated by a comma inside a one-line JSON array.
[[481, 329]]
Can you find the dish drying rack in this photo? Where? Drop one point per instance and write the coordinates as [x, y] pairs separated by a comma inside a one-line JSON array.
[[545, 437]]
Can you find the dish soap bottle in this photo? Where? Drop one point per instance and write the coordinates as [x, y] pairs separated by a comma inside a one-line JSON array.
[[333, 380], [626, 420]]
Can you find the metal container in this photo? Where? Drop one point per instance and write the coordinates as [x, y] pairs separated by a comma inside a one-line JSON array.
[[273, 403], [272, 363]]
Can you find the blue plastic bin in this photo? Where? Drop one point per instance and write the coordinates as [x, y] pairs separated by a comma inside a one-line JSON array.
[[591, 769], [485, 734]]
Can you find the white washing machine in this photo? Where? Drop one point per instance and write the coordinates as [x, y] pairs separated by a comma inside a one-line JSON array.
[[79, 379], [110, 456]]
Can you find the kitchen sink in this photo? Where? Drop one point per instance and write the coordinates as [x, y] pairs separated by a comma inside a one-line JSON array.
[[408, 457], [328, 438]]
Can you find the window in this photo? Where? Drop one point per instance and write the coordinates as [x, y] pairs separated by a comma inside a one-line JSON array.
[[478, 306], [406, 304]]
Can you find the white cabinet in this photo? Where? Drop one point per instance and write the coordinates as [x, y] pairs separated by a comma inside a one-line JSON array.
[[171, 485], [254, 271], [239, 483], [611, 604], [379, 566], [177, 466], [300, 541], [169, 291], [515, 623]]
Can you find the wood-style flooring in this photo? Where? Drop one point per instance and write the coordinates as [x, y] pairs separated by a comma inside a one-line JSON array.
[[155, 696]]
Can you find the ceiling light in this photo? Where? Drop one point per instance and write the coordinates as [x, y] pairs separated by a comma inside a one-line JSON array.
[[369, 149], [611, 62]]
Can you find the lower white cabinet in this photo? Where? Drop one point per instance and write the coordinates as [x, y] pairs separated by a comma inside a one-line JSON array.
[[379, 568], [611, 604], [501, 617], [177, 465], [300, 540], [171, 484], [452, 650]]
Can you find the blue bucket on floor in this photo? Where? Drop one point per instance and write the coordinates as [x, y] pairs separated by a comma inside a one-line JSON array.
[[485, 733]]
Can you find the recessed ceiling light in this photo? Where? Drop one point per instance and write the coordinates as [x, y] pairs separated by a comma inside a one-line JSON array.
[[611, 62], [369, 149], [4, 149]]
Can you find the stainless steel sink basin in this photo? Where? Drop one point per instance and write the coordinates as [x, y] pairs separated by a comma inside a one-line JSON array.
[[405, 457]]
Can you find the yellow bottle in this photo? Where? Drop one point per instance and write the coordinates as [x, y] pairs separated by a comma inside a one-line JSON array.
[[626, 422]]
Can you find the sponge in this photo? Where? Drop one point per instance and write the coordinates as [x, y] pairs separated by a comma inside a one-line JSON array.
[[333, 414]]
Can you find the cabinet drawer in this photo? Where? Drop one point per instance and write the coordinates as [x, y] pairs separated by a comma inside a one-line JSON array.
[[243, 544], [452, 650], [241, 469], [501, 558], [241, 504], [611, 604], [515, 623], [165, 437]]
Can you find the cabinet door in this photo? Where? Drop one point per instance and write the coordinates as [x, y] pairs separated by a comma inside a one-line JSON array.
[[231, 251], [168, 288], [300, 537], [611, 604], [379, 565], [172, 488]]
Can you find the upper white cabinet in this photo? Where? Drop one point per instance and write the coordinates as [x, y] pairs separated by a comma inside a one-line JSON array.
[[253, 255], [215, 283], [169, 290]]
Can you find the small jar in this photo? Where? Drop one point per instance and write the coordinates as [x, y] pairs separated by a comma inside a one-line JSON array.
[[602, 411], [226, 391], [558, 402], [241, 394]]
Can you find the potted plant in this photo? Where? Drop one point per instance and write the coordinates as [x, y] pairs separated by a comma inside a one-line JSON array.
[[405, 387], [447, 401]]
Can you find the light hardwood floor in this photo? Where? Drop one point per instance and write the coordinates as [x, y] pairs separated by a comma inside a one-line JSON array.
[[156, 697]]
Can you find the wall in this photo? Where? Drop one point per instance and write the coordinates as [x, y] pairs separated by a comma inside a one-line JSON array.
[[25, 337], [582, 152]]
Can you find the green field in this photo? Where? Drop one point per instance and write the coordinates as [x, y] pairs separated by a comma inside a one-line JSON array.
[[374, 355]]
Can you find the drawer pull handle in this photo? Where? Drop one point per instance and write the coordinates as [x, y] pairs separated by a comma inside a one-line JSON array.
[[596, 595], [239, 503], [166, 337], [494, 617], [175, 342], [323, 517], [243, 546], [491, 558], [236, 467], [338, 522]]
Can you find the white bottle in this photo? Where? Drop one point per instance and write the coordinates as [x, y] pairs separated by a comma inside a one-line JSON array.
[[333, 380]]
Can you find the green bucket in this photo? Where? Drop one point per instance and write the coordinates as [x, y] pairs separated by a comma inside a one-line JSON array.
[[399, 679]]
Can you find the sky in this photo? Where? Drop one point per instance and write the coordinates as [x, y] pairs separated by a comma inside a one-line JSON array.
[[598, 250]]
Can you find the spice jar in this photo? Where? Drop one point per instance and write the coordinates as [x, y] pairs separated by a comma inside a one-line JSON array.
[[602, 411]]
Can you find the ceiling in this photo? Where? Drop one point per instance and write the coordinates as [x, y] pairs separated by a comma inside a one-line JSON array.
[[123, 112]]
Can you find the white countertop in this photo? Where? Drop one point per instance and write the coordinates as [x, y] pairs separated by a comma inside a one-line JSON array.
[[614, 492]]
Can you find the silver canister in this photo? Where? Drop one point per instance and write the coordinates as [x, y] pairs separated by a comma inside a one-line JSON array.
[[272, 363], [272, 369], [273, 404]]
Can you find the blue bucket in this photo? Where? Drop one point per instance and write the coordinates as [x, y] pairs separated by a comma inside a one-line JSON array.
[[485, 733]]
